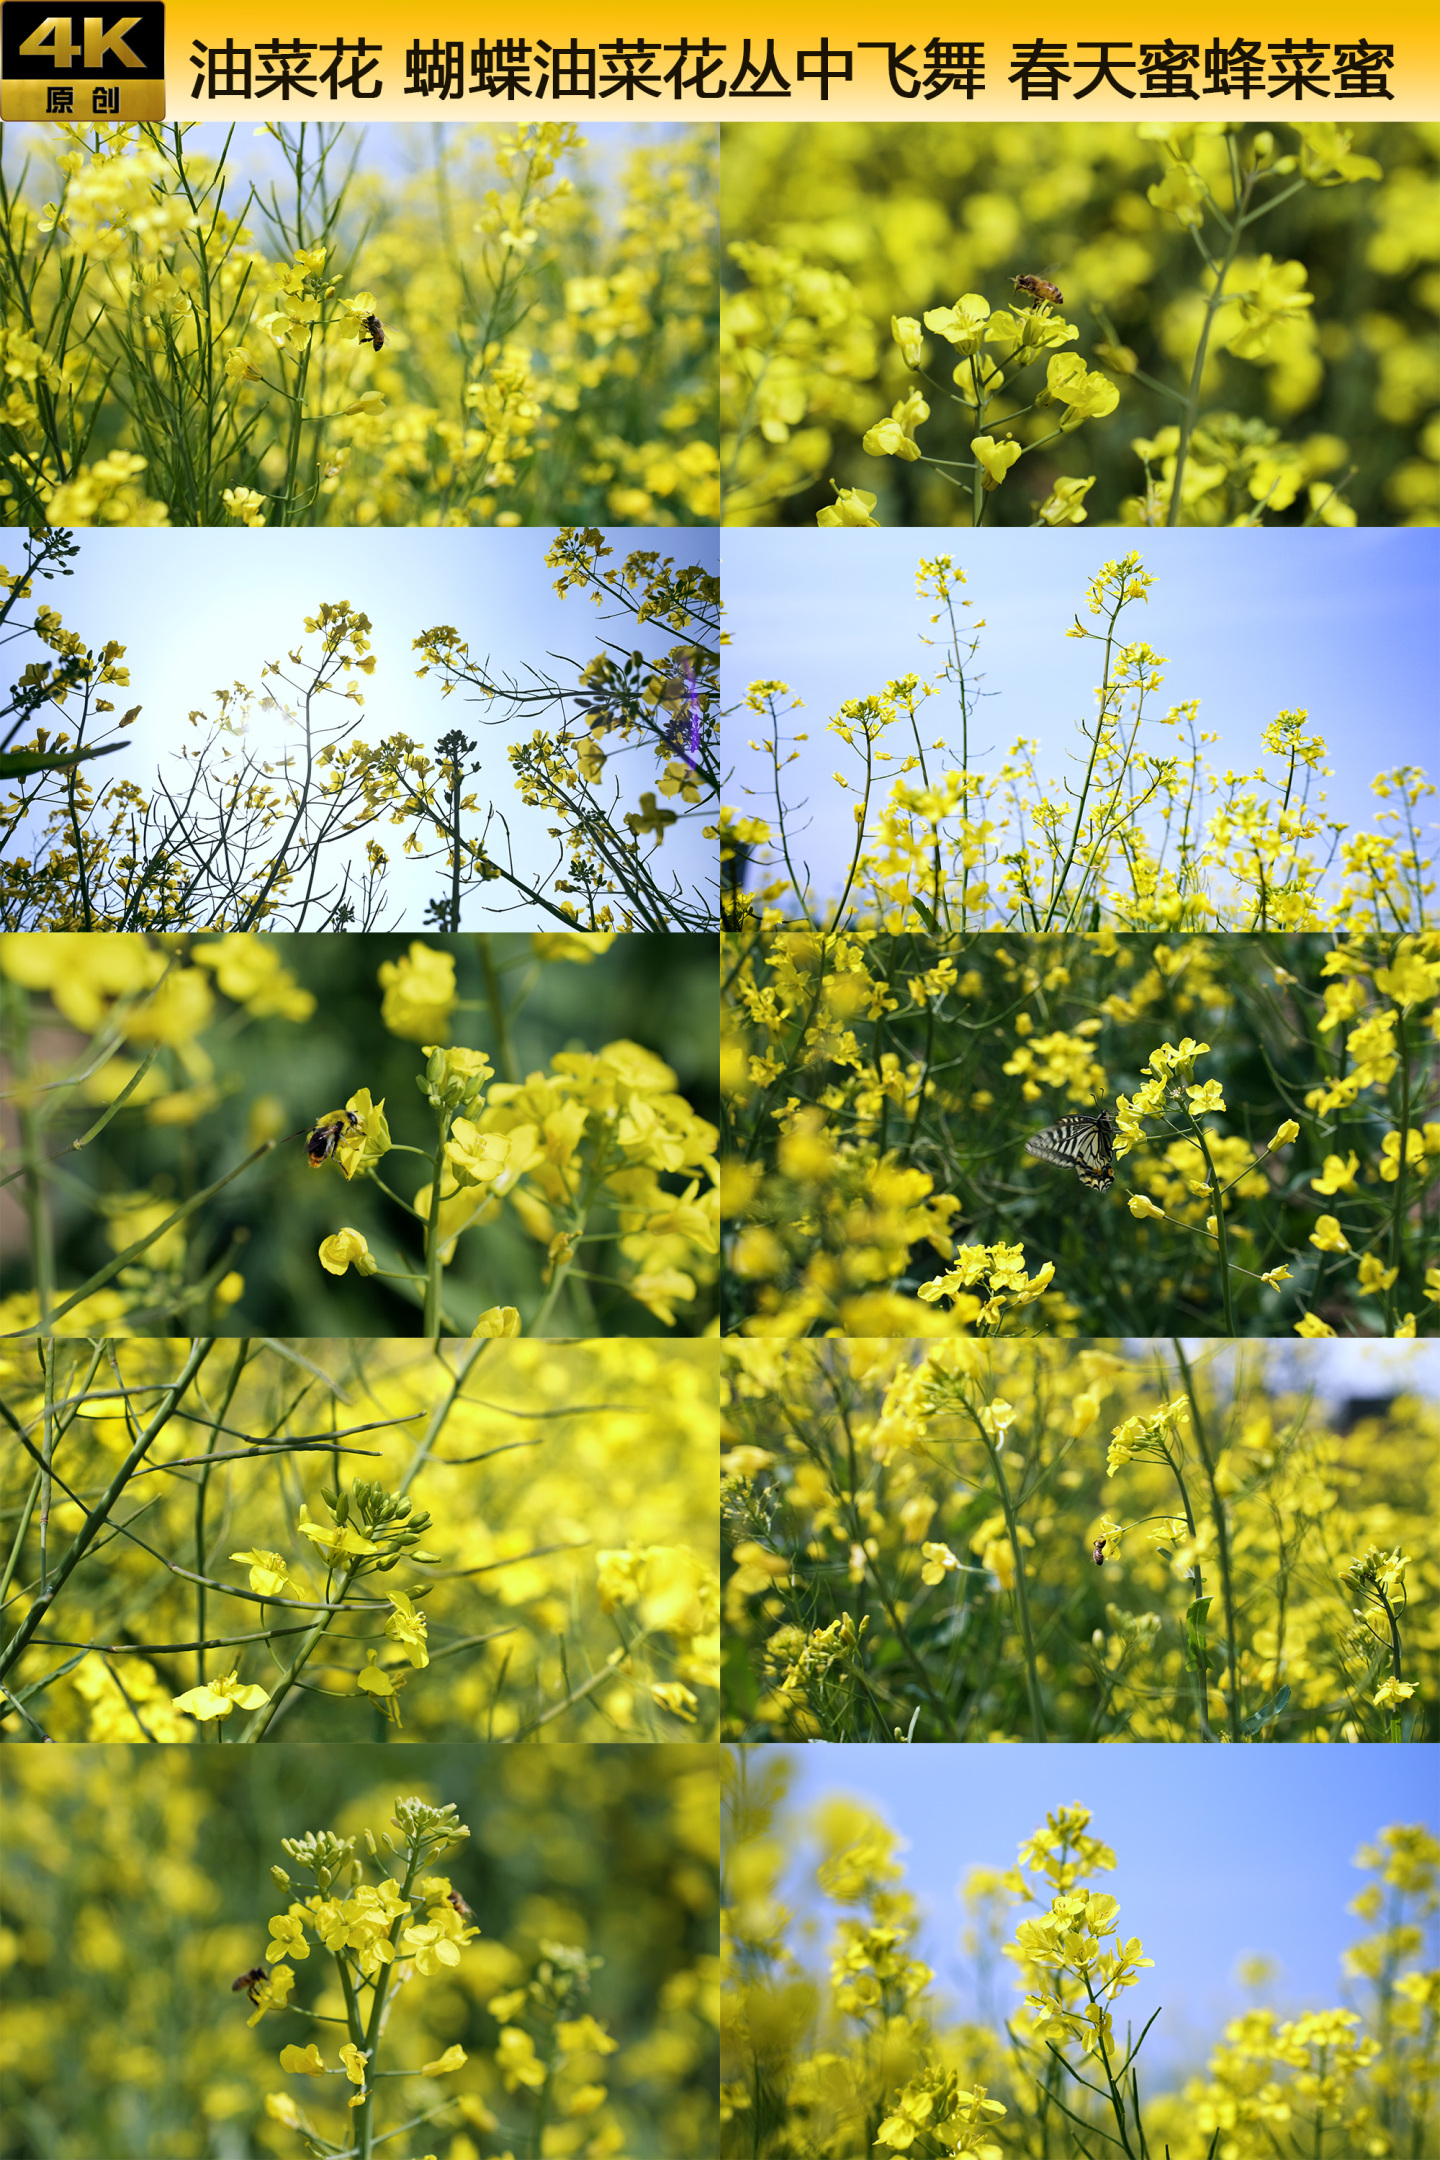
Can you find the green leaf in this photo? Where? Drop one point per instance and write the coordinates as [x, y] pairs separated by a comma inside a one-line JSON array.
[[38, 1687], [1195, 1635], [1267, 1716], [19, 764]]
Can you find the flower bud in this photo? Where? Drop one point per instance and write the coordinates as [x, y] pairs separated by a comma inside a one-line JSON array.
[[280, 1879], [456, 1078]]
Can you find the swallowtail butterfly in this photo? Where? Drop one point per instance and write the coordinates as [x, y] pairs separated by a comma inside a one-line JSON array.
[[1082, 1139]]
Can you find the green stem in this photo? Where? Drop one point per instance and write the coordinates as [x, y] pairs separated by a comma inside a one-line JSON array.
[[438, 1416], [1200, 1679], [495, 999], [916, 1662], [434, 1243], [1397, 1225], [1393, 1622], [562, 1267], [42, 1243], [364, 2126], [1022, 1594], [1058, 884], [1117, 2097], [133, 1252], [201, 1486], [542, 2102], [1222, 1235], [1213, 304], [1222, 1538], [90, 1529], [21, 1532]]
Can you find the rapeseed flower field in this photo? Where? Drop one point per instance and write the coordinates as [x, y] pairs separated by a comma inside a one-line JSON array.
[[858, 2049], [1043, 1541], [333, 344], [1255, 1112], [246, 1542]]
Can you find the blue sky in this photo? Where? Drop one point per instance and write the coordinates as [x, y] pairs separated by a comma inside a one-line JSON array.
[[394, 148], [197, 611], [1221, 1852], [1341, 623], [1350, 1367]]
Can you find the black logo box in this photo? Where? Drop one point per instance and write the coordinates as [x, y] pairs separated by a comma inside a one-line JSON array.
[[144, 36]]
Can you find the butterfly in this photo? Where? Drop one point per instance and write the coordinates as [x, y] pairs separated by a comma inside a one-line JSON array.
[[1081, 1139]]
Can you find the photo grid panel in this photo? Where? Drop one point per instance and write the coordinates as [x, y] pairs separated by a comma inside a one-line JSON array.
[[786, 1228], [1079, 1144]]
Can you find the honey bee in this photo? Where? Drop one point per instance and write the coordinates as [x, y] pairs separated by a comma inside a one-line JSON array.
[[1097, 1552], [374, 329], [250, 1981], [460, 1906], [322, 1140], [1041, 293]]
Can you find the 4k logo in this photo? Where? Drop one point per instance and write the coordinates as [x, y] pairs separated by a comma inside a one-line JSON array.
[[107, 63]]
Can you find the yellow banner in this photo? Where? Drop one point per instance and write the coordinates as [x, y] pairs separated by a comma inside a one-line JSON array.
[[225, 59]]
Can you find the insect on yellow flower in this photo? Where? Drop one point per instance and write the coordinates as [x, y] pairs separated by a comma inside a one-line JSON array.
[[1043, 293], [322, 1139]]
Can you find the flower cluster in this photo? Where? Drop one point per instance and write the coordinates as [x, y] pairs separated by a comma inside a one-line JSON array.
[[885, 363], [613, 1847], [380, 1935]]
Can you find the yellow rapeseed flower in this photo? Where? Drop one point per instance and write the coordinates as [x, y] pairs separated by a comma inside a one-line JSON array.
[[218, 1698], [345, 1249], [419, 994]]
